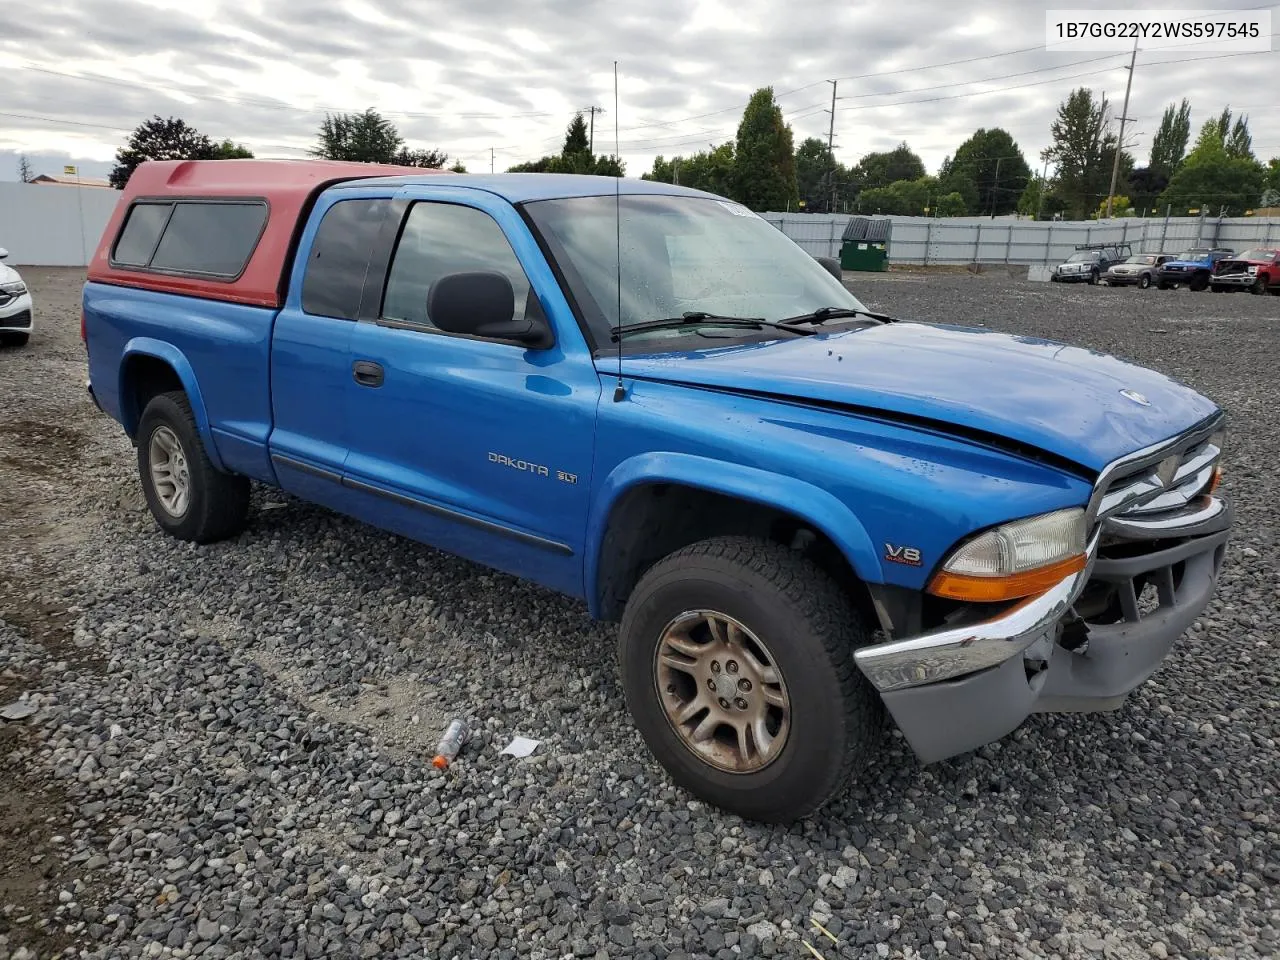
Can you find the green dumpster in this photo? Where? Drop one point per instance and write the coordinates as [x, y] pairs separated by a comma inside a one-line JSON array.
[[865, 245]]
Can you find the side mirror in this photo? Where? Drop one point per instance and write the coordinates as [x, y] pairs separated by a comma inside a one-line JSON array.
[[481, 303], [832, 266], [3, 253]]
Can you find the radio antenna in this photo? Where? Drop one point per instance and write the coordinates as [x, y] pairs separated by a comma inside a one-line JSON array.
[[619, 391]]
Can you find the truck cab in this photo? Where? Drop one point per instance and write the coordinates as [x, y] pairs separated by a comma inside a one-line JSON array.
[[804, 516]]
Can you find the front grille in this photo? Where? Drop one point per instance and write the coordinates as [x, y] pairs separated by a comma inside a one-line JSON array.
[[1160, 481], [21, 320]]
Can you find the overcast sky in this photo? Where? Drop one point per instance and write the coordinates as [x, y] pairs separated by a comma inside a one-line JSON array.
[[78, 75]]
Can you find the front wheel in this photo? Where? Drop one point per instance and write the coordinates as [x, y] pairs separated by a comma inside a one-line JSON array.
[[1199, 282], [1093, 278], [1144, 282], [736, 658], [1258, 287], [189, 498]]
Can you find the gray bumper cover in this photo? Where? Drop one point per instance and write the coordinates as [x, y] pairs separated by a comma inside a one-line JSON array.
[[954, 690]]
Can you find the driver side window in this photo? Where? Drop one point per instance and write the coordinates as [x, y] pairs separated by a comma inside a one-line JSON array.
[[443, 238]]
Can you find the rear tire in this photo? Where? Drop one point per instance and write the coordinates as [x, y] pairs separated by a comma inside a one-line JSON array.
[[1093, 278], [696, 607], [189, 498]]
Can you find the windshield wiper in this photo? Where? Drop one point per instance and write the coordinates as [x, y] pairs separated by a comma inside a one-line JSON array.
[[823, 314], [698, 319]]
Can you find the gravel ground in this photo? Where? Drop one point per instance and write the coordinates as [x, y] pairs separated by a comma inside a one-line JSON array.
[[230, 756]]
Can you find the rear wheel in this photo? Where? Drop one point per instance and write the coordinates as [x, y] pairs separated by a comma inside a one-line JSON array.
[[737, 663], [189, 498], [1093, 277]]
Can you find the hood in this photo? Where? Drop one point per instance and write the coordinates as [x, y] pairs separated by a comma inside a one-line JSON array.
[[1059, 399], [1238, 262]]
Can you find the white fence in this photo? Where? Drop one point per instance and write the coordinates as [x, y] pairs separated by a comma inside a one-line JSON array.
[[920, 240], [60, 226], [53, 226]]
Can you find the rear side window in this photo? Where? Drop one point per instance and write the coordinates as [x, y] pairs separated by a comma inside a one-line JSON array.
[[141, 233], [339, 257], [197, 237]]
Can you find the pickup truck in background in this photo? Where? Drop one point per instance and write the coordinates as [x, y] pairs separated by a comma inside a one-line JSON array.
[[1257, 271], [803, 514], [1191, 267]]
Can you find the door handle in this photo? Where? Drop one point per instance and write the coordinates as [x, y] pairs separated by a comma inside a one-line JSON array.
[[367, 373]]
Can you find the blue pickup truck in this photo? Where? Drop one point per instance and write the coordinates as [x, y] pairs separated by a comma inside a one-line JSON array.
[[803, 514]]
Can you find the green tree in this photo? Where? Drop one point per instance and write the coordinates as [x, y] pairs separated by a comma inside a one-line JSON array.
[[764, 162], [575, 137], [431, 159], [907, 198], [159, 139], [1212, 178], [574, 157], [1083, 152], [711, 171], [363, 137], [458, 167], [993, 162], [815, 170], [1169, 146], [950, 205], [1120, 207], [1030, 203], [881, 169], [1271, 187], [229, 150]]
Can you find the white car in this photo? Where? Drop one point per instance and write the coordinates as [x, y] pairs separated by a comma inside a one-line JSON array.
[[17, 316]]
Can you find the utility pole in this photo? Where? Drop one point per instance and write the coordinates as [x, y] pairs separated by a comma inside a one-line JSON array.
[[1044, 176], [675, 171], [491, 159], [1124, 117], [594, 111], [995, 185], [831, 156]]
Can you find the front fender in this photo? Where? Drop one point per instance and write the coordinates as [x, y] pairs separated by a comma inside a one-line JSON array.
[[159, 349], [811, 504]]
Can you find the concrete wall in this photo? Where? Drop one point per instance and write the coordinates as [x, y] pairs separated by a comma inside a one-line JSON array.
[[919, 240], [53, 226]]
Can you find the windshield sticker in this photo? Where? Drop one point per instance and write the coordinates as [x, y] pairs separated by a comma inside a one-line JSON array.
[[737, 209]]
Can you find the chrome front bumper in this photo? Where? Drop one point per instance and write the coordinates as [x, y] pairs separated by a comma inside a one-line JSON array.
[[955, 689]]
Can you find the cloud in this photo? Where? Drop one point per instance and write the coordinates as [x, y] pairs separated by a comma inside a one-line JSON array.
[[509, 76]]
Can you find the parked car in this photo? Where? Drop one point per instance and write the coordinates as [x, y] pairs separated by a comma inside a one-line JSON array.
[[1191, 267], [16, 310], [655, 402], [1140, 269], [1089, 262], [1257, 271]]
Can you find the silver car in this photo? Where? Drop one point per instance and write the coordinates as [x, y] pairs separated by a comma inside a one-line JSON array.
[[1139, 269]]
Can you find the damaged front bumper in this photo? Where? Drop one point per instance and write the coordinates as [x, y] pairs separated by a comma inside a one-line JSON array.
[[1083, 645]]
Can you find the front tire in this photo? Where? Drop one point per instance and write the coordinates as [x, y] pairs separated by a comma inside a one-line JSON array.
[[189, 498], [1093, 278], [736, 658], [1258, 287], [1145, 281], [1199, 282]]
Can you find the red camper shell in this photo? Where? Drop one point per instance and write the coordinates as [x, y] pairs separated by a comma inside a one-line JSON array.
[[219, 229]]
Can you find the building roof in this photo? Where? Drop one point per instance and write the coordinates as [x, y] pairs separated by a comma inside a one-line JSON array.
[[62, 180]]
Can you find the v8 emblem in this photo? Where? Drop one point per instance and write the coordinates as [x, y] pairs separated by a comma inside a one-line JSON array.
[[909, 556]]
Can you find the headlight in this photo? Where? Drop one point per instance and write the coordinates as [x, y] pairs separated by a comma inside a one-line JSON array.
[[1015, 559], [1251, 270], [15, 289]]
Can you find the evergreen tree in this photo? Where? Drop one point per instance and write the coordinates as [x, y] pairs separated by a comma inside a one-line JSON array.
[[764, 163]]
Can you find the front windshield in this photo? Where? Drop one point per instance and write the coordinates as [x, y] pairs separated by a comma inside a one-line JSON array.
[[1257, 255], [1141, 258], [1085, 257], [680, 254], [1193, 254]]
